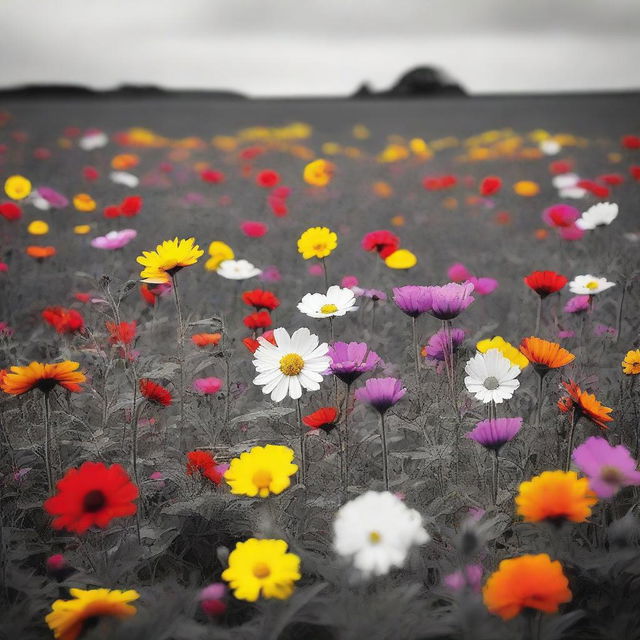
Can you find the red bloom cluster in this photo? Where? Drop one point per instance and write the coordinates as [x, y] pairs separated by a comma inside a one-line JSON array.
[[123, 333], [490, 185], [155, 392], [204, 463], [10, 211], [63, 320], [545, 283], [277, 201], [267, 178], [258, 320], [438, 183], [260, 299], [129, 207], [212, 176], [383, 242], [324, 418], [252, 344], [205, 339]]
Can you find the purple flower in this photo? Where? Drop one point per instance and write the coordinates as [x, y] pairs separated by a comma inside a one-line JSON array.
[[495, 433], [448, 301], [55, 199], [270, 274], [603, 330], [608, 468], [577, 304], [438, 344], [350, 360], [373, 294], [469, 577], [114, 239], [381, 393], [483, 286], [412, 299]]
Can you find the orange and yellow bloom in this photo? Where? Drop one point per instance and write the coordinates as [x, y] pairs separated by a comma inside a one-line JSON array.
[[44, 377]]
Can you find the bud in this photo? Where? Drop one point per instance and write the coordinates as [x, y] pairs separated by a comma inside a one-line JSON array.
[[212, 599]]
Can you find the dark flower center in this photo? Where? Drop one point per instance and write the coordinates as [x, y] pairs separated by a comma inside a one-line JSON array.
[[46, 384], [94, 501]]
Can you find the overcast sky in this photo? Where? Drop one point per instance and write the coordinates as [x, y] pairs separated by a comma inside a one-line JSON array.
[[321, 47]]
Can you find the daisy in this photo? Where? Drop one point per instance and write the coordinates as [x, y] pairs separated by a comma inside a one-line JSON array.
[[376, 531], [589, 285], [491, 377], [237, 270], [317, 242], [599, 215], [336, 302], [168, 258], [293, 363]]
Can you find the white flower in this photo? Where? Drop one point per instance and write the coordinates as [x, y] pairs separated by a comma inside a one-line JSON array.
[[293, 363], [550, 147], [565, 180], [603, 213], [237, 270], [589, 285], [122, 177], [93, 139], [336, 302], [376, 531], [573, 193], [490, 376]]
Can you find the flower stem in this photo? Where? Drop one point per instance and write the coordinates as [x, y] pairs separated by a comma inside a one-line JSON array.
[[48, 436], [572, 432], [227, 396], [134, 462], [326, 275], [620, 312], [540, 398], [385, 453], [538, 316], [494, 483], [303, 453], [344, 449], [416, 353], [176, 298]]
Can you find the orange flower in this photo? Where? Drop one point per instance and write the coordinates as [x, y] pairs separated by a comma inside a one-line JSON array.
[[555, 496], [527, 582], [318, 173], [205, 339], [40, 253], [545, 355], [585, 404], [41, 376]]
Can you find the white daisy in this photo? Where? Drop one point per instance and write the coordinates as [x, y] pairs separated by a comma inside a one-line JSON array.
[[376, 531], [293, 363], [550, 147], [565, 180], [125, 178], [336, 302], [601, 214], [237, 270], [490, 376], [93, 139], [589, 285]]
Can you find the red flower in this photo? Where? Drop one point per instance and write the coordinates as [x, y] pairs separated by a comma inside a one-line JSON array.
[[258, 320], [112, 211], [254, 229], [63, 320], [324, 419], [436, 183], [151, 293], [634, 170], [10, 211], [205, 339], [631, 142], [267, 178], [490, 185], [131, 206], [282, 192], [253, 344], [612, 179], [594, 188], [90, 174], [260, 299], [383, 241], [155, 393], [204, 463], [123, 333], [545, 283], [558, 167], [92, 495], [82, 297], [212, 176]]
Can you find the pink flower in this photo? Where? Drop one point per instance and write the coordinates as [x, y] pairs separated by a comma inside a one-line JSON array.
[[315, 270], [207, 386], [469, 577], [114, 239], [577, 304], [4, 267], [483, 286], [349, 281], [253, 229], [458, 272], [571, 232], [270, 274]]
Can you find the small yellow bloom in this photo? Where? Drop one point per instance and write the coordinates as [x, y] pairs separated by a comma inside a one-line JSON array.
[[360, 132], [84, 202], [318, 172], [631, 363], [38, 228], [317, 242], [262, 568], [397, 221], [67, 617], [510, 352], [124, 161], [82, 229], [219, 252], [401, 259], [261, 471], [168, 258], [526, 188], [17, 187]]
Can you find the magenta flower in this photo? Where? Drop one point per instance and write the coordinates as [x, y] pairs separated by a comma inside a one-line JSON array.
[[438, 344], [207, 386], [349, 282], [470, 577], [350, 360], [270, 274], [577, 304], [560, 216], [571, 233], [608, 468], [457, 272], [483, 286], [450, 300], [55, 199], [213, 599], [114, 239], [495, 433], [412, 299], [381, 393]]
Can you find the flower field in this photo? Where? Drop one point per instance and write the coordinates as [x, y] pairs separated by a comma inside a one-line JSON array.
[[325, 370]]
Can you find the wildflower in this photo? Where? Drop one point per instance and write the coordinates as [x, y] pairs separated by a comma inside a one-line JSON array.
[[257, 320], [585, 404], [114, 239], [545, 283], [40, 253], [68, 618], [376, 531], [598, 215], [58, 568], [589, 285], [207, 386], [373, 294], [401, 259], [381, 393], [123, 333], [81, 229], [38, 228], [413, 300], [383, 242], [253, 345], [631, 363], [151, 293], [262, 568], [555, 496], [168, 258], [44, 377], [131, 206], [203, 462], [253, 229], [577, 304], [317, 242], [349, 360], [63, 320], [448, 301], [261, 471], [469, 577], [84, 202], [545, 355], [440, 344], [91, 495], [318, 173], [337, 302], [10, 211], [526, 188], [491, 377], [206, 339], [17, 187], [505, 348], [212, 599], [218, 252], [260, 299], [155, 393], [324, 418], [237, 270], [560, 216], [490, 185], [293, 363], [493, 434], [483, 286], [526, 582]]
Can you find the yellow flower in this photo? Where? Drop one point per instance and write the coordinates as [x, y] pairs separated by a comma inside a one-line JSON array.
[[318, 173], [81, 229], [401, 259], [505, 348], [84, 202], [262, 567], [526, 188], [631, 363], [219, 252], [168, 258], [317, 242], [261, 471], [17, 187], [38, 228], [67, 617]]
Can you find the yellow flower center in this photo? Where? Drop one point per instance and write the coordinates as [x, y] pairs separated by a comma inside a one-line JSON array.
[[591, 285], [374, 537], [321, 246], [291, 364], [328, 308], [262, 479], [261, 570]]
